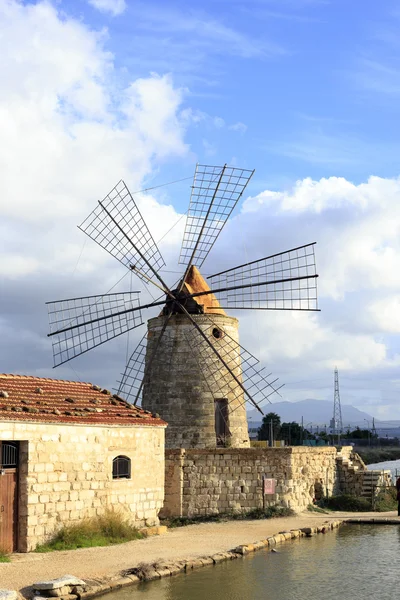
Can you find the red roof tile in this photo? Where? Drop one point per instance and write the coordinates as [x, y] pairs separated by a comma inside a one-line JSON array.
[[37, 399]]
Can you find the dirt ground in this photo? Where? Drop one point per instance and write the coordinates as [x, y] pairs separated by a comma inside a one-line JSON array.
[[181, 543]]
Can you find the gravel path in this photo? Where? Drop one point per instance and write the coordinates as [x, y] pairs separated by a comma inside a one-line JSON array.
[[181, 543]]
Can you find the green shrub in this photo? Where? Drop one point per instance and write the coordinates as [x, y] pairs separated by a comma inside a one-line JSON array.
[[386, 500], [318, 509], [4, 556], [110, 528], [270, 512], [345, 502]]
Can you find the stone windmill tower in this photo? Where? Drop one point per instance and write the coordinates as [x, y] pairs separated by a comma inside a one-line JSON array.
[[187, 383], [189, 366]]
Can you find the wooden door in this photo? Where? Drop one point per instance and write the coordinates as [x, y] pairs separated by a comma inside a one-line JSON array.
[[8, 496], [221, 421], [8, 510]]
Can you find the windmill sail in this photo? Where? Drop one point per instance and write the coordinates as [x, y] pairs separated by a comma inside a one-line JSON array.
[[215, 193], [131, 382], [117, 226], [138, 369], [284, 281], [239, 362], [80, 324]]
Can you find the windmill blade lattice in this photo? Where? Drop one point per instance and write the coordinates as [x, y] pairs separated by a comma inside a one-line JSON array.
[[132, 377], [215, 193], [138, 369], [284, 281], [246, 368], [80, 324], [117, 226]]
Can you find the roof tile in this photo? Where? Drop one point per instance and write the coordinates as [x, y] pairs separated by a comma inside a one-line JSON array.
[[27, 398]]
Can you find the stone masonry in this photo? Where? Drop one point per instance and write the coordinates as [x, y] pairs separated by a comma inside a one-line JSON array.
[[186, 378], [65, 474], [205, 482]]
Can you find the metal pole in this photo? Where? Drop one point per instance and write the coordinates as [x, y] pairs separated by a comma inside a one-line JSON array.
[[263, 495]]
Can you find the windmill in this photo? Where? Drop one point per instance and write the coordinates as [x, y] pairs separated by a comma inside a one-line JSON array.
[[189, 367]]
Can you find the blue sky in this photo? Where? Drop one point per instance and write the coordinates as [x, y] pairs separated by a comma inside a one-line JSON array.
[[306, 92], [315, 83]]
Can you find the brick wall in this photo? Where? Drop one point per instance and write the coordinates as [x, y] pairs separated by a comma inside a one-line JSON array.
[[204, 482], [66, 474]]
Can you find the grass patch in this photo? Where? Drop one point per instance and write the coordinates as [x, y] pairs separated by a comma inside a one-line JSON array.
[[271, 512], [386, 500], [317, 509], [4, 557], [104, 530]]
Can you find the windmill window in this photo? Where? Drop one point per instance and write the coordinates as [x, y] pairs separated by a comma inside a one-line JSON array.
[[121, 467], [217, 333]]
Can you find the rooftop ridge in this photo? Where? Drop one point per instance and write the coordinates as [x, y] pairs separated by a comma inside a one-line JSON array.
[[33, 377]]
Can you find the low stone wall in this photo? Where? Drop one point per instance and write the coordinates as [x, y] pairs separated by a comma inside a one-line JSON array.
[[205, 482], [350, 472]]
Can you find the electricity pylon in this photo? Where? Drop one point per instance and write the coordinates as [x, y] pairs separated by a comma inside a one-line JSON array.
[[336, 424]]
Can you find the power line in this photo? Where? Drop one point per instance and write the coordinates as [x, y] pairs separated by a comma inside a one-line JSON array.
[[154, 187]]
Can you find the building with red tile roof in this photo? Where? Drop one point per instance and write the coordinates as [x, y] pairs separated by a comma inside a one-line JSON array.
[[70, 450], [27, 398]]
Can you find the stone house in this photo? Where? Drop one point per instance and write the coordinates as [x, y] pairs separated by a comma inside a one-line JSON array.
[[71, 450]]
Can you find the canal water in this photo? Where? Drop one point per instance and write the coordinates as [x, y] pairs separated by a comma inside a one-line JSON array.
[[355, 562]]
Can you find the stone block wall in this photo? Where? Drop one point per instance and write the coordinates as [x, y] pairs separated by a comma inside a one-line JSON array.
[[350, 472], [65, 474], [204, 482], [185, 380]]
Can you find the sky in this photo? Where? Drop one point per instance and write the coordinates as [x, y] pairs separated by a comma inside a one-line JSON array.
[[306, 92]]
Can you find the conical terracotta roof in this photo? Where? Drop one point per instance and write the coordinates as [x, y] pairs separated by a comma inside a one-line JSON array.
[[196, 283]]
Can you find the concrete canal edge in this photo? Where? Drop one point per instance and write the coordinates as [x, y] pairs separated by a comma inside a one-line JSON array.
[[84, 590]]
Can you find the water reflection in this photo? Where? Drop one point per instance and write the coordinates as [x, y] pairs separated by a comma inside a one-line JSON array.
[[354, 563]]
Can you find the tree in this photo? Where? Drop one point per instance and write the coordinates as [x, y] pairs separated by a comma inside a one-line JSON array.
[[359, 434], [291, 433], [264, 432]]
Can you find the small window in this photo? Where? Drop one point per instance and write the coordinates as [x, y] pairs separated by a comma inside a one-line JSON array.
[[121, 467], [8, 454], [217, 333]]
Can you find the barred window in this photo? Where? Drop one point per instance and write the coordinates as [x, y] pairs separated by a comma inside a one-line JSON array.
[[8, 454], [121, 467]]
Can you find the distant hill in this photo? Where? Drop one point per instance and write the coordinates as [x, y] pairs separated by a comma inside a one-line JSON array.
[[317, 412]]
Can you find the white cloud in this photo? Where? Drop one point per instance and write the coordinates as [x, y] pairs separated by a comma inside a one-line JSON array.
[[240, 127], [219, 122], [385, 312], [70, 131], [115, 7], [66, 139], [357, 228]]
